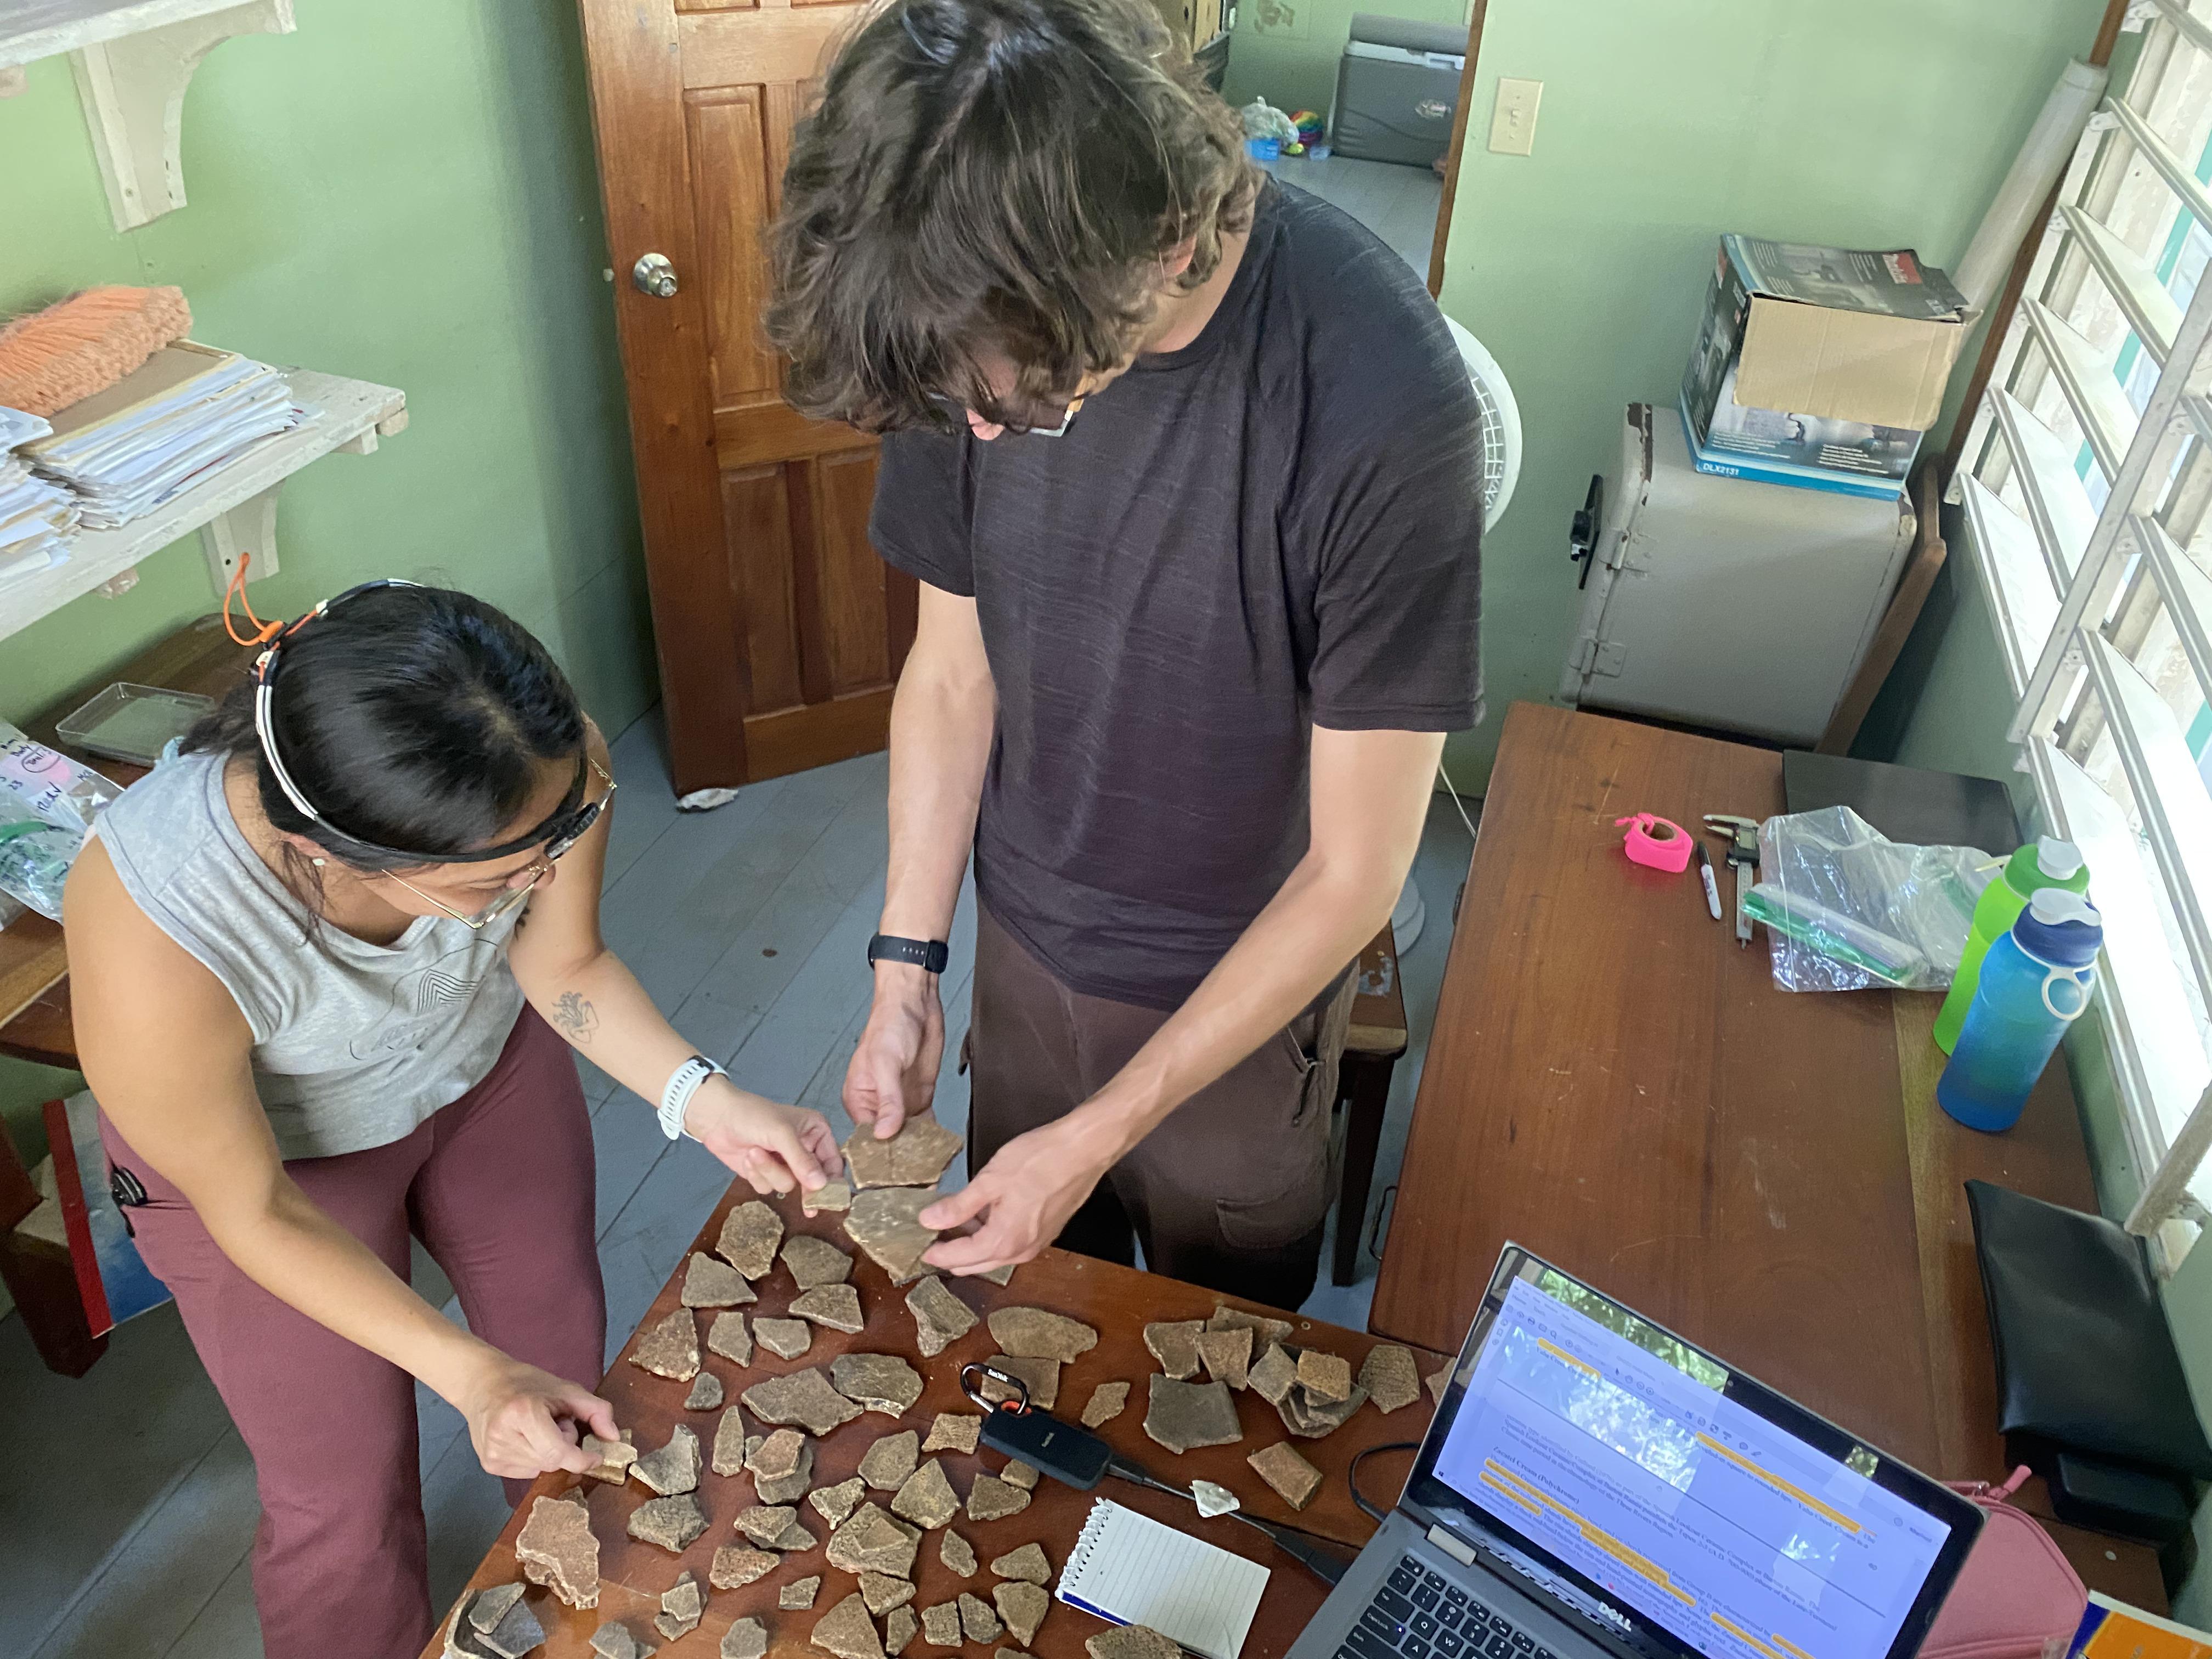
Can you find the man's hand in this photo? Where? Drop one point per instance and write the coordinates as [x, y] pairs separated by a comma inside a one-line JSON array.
[[893, 1073], [1025, 1196], [773, 1146], [523, 1421]]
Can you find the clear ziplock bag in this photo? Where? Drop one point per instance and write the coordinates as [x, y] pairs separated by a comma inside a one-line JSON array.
[[47, 804], [1845, 908]]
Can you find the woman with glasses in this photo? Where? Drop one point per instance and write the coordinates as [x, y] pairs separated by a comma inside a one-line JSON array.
[[323, 963]]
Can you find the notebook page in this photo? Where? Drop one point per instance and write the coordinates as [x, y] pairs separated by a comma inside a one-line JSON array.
[[1132, 1569]]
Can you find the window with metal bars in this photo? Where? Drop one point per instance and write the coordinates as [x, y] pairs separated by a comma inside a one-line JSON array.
[[2084, 486]]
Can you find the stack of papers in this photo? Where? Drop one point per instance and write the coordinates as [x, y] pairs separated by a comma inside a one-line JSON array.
[[35, 516], [186, 411]]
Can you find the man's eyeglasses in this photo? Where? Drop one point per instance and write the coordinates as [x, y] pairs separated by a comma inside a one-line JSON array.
[[1031, 419], [575, 830]]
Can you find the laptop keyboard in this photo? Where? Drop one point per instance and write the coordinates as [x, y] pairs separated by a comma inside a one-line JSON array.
[[1421, 1614]]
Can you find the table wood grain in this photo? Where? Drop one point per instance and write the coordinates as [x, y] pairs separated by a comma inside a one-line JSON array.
[[1117, 1301], [1615, 1084]]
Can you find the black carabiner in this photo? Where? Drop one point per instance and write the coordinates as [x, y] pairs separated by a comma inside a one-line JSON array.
[[1017, 1407]]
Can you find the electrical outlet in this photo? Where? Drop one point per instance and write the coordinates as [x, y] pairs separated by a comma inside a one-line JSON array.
[[1513, 118]]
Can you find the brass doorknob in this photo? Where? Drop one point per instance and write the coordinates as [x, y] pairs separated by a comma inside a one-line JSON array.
[[654, 274]]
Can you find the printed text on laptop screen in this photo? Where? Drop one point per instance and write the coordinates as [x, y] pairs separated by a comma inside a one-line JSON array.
[[1624, 1460]]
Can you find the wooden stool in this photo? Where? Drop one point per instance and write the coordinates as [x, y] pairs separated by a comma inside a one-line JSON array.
[[1371, 1049]]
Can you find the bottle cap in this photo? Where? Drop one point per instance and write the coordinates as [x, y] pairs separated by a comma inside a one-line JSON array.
[[2056, 858], [2052, 905], [2059, 929]]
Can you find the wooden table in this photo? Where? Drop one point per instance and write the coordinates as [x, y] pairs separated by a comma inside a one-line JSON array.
[[1615, 1084], [34, 1015], [1117, 1301]]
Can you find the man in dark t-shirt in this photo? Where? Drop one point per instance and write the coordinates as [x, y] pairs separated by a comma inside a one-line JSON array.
[[1189, 469]]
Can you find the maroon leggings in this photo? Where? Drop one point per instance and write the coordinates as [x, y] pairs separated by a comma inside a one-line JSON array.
[[498, 1186]]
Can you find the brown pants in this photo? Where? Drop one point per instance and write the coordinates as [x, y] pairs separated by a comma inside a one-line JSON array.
[[1230, 1191]]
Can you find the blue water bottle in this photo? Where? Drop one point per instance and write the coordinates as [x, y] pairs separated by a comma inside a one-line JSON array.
[[2036, 981]]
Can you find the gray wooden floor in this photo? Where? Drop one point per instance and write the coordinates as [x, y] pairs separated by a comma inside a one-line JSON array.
[[125, 1529], [1398, 203]]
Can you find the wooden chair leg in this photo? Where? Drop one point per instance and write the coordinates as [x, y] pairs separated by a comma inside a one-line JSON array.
[[41, 1278], [1365, 1090]]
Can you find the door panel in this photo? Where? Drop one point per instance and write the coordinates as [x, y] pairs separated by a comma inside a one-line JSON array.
[[757, 515], [856, 620], [729, 188], [755, 48], [781, 634]]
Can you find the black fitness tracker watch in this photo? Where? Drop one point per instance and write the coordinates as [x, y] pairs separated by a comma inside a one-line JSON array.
[[930, 955]]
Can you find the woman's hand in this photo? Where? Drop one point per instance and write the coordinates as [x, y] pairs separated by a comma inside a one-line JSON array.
[[523, 1421], [774, 1147]]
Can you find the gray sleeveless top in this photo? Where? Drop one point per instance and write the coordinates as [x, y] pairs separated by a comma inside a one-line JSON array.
[[355, 1044]]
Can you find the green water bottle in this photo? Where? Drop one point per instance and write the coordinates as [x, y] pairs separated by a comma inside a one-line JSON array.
[[2048, 862]]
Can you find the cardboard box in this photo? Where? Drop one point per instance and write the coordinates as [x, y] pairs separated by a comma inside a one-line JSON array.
[[1803, 451], [1838, 334]]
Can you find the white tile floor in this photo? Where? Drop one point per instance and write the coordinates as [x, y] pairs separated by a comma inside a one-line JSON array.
[[1398, 203], [125, 1524]]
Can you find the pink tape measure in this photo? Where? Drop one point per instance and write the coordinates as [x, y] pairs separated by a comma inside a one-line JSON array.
[[1660, 843]]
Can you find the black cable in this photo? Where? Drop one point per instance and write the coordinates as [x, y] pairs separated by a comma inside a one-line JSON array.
[[1351, 1474]]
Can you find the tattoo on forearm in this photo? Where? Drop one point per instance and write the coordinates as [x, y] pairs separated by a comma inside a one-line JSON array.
[[575, 1016]]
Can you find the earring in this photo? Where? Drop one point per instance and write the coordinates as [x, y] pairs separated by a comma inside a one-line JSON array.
[[319, 863]]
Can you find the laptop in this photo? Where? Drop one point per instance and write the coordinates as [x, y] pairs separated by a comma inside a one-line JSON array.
[[1595, 1487]]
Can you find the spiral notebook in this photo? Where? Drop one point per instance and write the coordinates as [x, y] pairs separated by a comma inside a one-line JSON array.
[[1132, 1569]]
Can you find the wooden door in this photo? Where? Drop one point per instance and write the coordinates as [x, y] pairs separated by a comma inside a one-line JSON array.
[[780, 632]]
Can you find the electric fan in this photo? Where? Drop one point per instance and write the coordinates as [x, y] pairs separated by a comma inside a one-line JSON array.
[[1501, 470]]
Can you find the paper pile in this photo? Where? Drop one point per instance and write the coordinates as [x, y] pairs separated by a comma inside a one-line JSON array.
[[189, 409], [35, 516]]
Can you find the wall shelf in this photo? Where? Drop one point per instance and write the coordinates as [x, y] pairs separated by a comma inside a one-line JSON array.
[[133, 60], [234, 508]]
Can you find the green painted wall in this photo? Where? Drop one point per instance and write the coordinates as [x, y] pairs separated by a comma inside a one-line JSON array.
[[1582, 267], [1286, 51], [403, 191]]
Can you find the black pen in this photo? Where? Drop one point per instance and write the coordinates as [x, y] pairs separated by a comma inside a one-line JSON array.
[[1705, 875]]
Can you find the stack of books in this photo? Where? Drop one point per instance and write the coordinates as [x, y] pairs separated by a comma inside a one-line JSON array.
[[189, 409], [35, 516], [1820, 368]]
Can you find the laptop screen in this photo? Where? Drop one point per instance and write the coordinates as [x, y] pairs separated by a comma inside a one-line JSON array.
[[1710, 1515]]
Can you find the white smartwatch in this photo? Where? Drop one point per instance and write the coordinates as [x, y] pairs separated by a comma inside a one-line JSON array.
[[683, 1083]]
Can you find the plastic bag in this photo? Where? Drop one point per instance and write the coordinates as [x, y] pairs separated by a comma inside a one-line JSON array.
[[47, 804], [1845, 908], [34, 863], [38, 782], [1263, 120]]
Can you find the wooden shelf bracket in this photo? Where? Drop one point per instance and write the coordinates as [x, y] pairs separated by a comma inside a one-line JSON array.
[[249, 528], [132, 60], [133, 94]]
